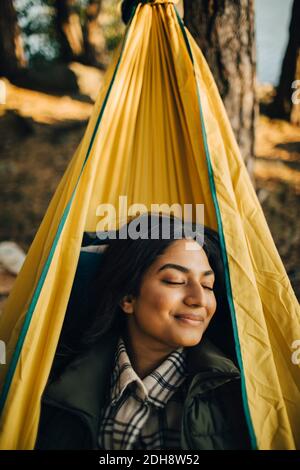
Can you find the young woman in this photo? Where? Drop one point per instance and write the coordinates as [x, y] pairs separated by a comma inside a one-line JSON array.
[[154, 367]]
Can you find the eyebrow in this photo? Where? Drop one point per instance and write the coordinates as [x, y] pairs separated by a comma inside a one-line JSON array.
[[183, 269]]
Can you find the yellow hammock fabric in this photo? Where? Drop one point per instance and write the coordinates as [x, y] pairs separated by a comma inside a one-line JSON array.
[[158, 133]]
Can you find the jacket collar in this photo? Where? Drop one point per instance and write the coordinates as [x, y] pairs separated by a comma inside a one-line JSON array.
[[205, 357], [168, 376], [85, 384]]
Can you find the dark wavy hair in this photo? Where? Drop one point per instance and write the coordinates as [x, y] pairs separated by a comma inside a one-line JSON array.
[[121, 269]]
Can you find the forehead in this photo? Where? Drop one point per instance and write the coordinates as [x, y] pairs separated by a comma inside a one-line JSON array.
[[187, 253]]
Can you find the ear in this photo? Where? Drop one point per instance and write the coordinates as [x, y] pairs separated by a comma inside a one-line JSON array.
[[127, 304]]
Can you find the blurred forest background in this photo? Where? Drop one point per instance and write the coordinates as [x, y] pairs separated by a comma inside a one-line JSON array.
[[53, 55]]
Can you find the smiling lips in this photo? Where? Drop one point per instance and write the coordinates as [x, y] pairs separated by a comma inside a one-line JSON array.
[[189, 318]]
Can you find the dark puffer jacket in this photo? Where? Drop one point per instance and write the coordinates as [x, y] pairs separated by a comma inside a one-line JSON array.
[[213, 415]]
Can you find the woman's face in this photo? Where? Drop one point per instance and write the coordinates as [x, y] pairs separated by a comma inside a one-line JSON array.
[[176, 300]]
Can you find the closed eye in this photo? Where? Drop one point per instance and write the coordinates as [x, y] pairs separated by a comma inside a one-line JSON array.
[[170, 282], [181, 283]]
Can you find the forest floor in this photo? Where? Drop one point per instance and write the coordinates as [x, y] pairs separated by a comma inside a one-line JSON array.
[[39, 133]]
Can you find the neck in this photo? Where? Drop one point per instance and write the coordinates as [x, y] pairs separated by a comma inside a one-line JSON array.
[[145, 353]]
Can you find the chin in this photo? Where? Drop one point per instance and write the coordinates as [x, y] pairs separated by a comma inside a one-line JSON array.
[[189, 340]]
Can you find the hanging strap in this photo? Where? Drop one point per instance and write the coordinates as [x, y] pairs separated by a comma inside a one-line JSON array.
[[129, 6]]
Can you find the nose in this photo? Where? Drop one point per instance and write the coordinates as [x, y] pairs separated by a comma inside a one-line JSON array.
[[196, 296]]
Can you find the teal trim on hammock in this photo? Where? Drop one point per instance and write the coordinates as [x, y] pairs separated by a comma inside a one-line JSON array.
[[223, 248], [36, 294]]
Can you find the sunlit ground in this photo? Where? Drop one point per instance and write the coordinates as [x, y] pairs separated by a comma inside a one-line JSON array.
[[278, 152]]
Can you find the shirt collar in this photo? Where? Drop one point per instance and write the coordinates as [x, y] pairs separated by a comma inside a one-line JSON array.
[[157, 387]]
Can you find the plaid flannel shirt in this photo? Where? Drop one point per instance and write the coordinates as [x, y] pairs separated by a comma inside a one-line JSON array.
[[144, 414]]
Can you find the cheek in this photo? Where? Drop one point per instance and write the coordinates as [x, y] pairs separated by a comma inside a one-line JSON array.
[[212, 305], [157, 299]]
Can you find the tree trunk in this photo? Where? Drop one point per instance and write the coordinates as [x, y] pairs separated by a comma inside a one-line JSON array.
[[224, 30], [11, 46], [69, 30], [286, 103], [94, 43]]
